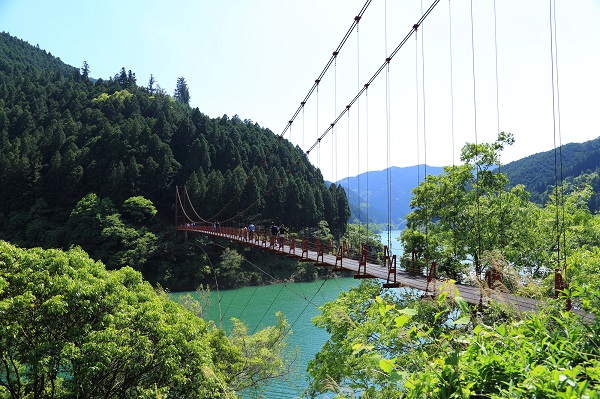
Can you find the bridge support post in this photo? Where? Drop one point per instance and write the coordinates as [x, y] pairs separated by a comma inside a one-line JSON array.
[[391, 266], [339, 257], [304, 256], [362, 263], [431, 276], [292, 250], [320, 252], [559, 286]]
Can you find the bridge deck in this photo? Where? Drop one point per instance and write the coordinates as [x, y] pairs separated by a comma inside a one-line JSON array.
[[473, 295]]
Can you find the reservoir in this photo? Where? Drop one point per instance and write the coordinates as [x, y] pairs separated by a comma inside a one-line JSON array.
[[299, 302], [395, 246], [257, 307]]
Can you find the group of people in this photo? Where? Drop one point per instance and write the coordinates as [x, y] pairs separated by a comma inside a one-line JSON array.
[[281, 230], [276, 231]]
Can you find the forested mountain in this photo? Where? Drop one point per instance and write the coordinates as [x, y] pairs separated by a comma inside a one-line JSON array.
[[73, 151], [577, 163], [374, 193]]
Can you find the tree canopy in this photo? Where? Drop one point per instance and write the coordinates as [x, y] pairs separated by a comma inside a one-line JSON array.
[[64, 136], [70, 328]]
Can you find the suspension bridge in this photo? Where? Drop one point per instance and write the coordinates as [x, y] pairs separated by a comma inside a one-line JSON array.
[[342, 259], [419, 274]]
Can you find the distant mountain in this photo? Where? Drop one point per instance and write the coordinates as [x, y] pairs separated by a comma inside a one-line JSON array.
[[580, 163], [374, 193]]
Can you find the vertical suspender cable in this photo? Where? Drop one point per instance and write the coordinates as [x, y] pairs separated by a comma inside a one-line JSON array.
[[334, 138], [318, 139], [357, 19], [388, 175], [303, 104], [501, 193], [560, 224], [562, 194], [451, 77], [367, 150], [417, 90], [348, 143], [478, 253], [424, 138]]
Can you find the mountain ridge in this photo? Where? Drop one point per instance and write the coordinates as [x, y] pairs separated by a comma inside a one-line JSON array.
[[580, 161]]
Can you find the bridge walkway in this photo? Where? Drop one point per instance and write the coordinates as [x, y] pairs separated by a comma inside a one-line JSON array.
[[395, 278]]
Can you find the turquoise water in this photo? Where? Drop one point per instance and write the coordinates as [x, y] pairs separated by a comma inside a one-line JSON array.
[[257, 307], [395, 247]]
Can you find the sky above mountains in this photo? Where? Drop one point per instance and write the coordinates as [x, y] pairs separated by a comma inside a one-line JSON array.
[[473, 68]]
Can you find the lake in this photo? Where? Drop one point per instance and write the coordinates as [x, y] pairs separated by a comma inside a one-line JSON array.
[[395, 247], [257, 306]]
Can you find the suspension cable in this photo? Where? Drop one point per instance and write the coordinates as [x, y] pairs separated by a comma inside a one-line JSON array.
[[451, 76], [476, 143], [357, 18], [328, 64], [381, 68]]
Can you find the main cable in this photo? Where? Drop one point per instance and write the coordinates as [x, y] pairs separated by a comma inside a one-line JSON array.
[[381, 68]]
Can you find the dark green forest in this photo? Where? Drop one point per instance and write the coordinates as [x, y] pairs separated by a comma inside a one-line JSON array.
[[95, 163], [577, 164]]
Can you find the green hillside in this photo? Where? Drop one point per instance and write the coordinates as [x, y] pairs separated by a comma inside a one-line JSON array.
[[74, 151], [576, 163]]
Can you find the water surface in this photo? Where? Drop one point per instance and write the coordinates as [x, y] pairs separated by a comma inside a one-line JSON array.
[[257, 308]]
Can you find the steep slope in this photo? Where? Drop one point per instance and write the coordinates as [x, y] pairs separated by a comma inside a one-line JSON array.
[[574, 162], [64, 136]]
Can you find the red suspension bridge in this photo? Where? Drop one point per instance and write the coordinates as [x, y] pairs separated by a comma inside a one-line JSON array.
[[414, 273], [341, 258]]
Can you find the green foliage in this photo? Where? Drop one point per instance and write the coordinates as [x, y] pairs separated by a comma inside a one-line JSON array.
[[578, 164], [264, 355], [139, 208], [182, 92], [72, 329], [384, 347], [467, 213], [357, 235]]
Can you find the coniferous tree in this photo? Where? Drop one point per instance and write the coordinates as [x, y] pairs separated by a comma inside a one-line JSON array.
[[151, 83], [85, 70], [182, 93]]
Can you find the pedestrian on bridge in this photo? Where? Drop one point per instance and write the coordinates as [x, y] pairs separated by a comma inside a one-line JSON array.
[[251, 229]]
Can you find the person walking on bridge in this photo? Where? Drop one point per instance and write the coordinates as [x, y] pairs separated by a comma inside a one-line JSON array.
[[251, 231]]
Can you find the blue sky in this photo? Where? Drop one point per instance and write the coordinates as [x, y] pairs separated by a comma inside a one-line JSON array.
[[259, 58]]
